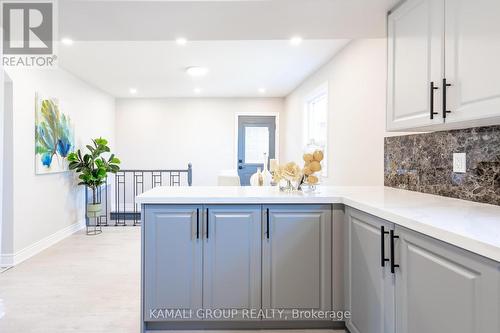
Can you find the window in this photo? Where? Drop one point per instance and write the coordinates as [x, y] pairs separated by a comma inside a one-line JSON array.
[[316, 121], [256, 144]]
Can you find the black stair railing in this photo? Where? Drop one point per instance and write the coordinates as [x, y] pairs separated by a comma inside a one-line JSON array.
[[118, 195]]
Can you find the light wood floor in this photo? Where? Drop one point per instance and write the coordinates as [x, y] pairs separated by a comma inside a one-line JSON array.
[[87, 284]]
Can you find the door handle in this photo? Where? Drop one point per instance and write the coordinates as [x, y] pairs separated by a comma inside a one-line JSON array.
[[393, 265], [432, 99], [240, 161], [197, 223], [445, 85], [383, 259], [240, 167]]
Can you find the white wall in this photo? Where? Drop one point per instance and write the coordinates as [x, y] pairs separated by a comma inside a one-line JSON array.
[[170, 133], [7, 241], [46, 204], [2, 157], [356, 79]]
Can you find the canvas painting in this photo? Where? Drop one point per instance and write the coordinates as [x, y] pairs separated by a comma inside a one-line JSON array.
[[54, 136]]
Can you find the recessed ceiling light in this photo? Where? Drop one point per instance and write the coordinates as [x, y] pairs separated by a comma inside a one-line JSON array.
[[181, 41], [197, 90], [67, 41], [196, 71], [262, 90], [296, 40], [133, 91]]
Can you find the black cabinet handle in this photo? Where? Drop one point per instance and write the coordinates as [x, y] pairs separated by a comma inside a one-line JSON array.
[[383, 259], [198, 223], [432, 99], [267, 223], [207, 223], [393, 265], [445, 85]]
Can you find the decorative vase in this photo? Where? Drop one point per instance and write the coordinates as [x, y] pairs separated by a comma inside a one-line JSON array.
[[94, 210], [288, 185], [256, 179], [313, 166], [267, 178], [305, 187]]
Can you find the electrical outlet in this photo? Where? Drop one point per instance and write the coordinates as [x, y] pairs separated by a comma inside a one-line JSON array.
[[459, 163]]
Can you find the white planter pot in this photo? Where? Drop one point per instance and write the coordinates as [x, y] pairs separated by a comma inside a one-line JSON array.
[[94, 210]]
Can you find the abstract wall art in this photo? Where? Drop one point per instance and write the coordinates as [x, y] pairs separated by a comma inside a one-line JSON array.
[[54, 136]]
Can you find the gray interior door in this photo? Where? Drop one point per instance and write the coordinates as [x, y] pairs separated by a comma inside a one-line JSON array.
[[232, 258], [296, 268], [256, 136]]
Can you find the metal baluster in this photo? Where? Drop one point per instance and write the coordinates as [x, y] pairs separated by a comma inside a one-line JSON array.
[[135, 193], [124, 199], [117, 198], [99, 199]]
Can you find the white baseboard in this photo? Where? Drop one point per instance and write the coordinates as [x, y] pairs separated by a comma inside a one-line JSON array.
[[9, 260]]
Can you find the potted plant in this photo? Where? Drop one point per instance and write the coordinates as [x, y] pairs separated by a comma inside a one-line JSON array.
[[92, 169]]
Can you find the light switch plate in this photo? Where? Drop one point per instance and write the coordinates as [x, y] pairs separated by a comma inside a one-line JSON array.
[[459, 163]]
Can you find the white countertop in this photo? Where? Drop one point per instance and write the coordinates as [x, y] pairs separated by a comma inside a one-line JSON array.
[[466, 224]]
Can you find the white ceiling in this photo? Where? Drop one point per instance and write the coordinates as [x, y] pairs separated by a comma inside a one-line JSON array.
[[157, 69], [115, 20], [245, 43]]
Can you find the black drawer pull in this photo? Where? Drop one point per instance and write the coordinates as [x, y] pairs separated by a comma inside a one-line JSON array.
[[432, 99], [198, 223], [207, 223], [445, 85], [267, 223], [383, 259], [393, 265]]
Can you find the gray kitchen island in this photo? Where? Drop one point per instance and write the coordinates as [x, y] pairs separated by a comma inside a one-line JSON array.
[[255, 257]]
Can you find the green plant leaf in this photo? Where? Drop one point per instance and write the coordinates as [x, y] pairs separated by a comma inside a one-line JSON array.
[[92, 168], [101, 142]]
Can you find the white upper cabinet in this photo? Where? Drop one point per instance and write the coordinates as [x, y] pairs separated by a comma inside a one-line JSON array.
[[415, 53], [473, 59], [450, 43]]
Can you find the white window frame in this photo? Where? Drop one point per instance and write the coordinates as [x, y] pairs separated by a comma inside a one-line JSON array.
[[320, 91]]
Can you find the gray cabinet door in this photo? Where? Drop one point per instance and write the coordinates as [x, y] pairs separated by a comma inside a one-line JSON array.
[[172, 260], [441, 288], [296, 270], [369, 285], [232, 257]]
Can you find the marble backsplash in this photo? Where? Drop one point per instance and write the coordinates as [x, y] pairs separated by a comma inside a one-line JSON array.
[[424, 163]]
